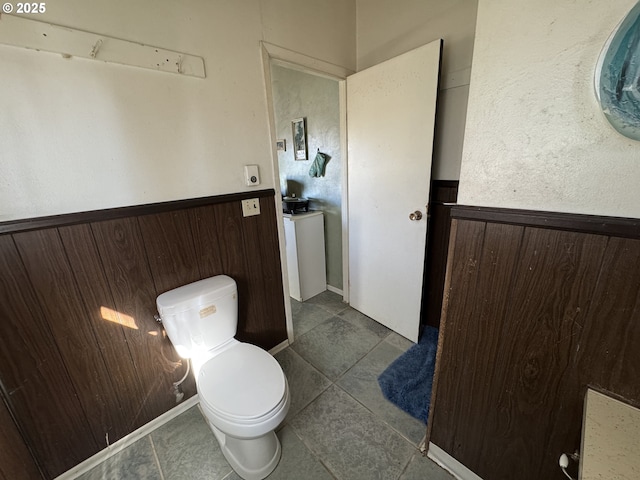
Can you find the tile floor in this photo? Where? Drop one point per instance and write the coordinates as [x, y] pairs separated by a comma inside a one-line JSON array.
[[339, 425]]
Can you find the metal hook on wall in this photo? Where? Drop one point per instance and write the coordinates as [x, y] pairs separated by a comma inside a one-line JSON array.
[[179, 63], [96, 47]]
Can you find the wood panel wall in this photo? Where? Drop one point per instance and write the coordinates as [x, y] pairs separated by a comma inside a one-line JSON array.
[[15, 459], [533, 316], [82, 360]]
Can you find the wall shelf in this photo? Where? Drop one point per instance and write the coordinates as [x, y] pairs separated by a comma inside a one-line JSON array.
[[69, 42]]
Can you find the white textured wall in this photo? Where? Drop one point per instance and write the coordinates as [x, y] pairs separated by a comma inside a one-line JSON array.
[[79, 135], [535, 138], [321, 29], [386, 29]]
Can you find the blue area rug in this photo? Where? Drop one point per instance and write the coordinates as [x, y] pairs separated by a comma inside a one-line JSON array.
[[407, 381]]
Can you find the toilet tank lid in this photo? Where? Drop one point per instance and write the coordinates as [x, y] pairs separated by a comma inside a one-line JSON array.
[[195, 294]]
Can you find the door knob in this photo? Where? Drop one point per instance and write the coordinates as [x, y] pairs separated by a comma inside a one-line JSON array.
[[415, 216]]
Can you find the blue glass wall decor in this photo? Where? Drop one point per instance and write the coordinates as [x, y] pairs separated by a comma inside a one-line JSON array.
[[617, 77]]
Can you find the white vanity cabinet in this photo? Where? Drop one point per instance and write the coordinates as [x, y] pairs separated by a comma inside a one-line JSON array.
[[304, 238]]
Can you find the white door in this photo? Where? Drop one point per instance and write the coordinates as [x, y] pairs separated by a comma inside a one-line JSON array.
[[390, 125]]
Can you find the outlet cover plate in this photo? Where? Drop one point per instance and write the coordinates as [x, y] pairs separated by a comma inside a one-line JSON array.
[[250, 207]]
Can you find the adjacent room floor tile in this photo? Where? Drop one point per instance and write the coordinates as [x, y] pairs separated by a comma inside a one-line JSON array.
[[188, 450], [361, 382], [134, 462], [332, 302], [349, 440], [335, 345], [305, 382], [308, 316]]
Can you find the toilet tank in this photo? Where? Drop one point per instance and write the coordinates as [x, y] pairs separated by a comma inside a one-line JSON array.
[[201, 315]]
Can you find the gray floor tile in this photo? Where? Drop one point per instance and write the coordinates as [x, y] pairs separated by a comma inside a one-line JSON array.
[[335, 345], [361, 382], [297, 462], [135, 462], [349, 440], [399, 341], [363, 321], [331, 302], [187, 449], [423, 468], [328, 432], [295, 306], [307, 317], [305, 382]]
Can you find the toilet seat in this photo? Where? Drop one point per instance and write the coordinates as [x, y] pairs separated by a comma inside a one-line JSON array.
[[243, 384]]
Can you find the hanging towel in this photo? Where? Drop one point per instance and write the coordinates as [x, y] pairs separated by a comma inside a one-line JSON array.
[[317, 167]]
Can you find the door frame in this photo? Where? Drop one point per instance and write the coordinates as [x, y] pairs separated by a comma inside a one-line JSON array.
[[275, 55]]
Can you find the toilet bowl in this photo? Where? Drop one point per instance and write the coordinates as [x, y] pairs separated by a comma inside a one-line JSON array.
[[242, 389], [244, 396]]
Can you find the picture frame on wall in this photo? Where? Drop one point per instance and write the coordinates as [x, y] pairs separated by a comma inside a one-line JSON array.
[[281, 144], [299, 132]]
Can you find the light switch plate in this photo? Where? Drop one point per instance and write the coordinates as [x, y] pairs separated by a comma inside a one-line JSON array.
[[251, 175], [250, 207]]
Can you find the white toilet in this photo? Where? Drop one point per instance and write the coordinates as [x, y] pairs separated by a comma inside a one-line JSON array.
[[242, 389]]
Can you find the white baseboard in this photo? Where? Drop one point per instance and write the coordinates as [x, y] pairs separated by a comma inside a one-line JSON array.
[[335, 290], [144, 430], [124, 442], [453, 466], [279, 347]]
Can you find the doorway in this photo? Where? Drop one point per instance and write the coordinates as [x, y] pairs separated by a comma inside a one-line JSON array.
[[289, 65], [315, 99], [391, 127]]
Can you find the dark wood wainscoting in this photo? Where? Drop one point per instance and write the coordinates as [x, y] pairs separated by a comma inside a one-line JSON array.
[[82, 360], [15, 459], [538, 307]]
